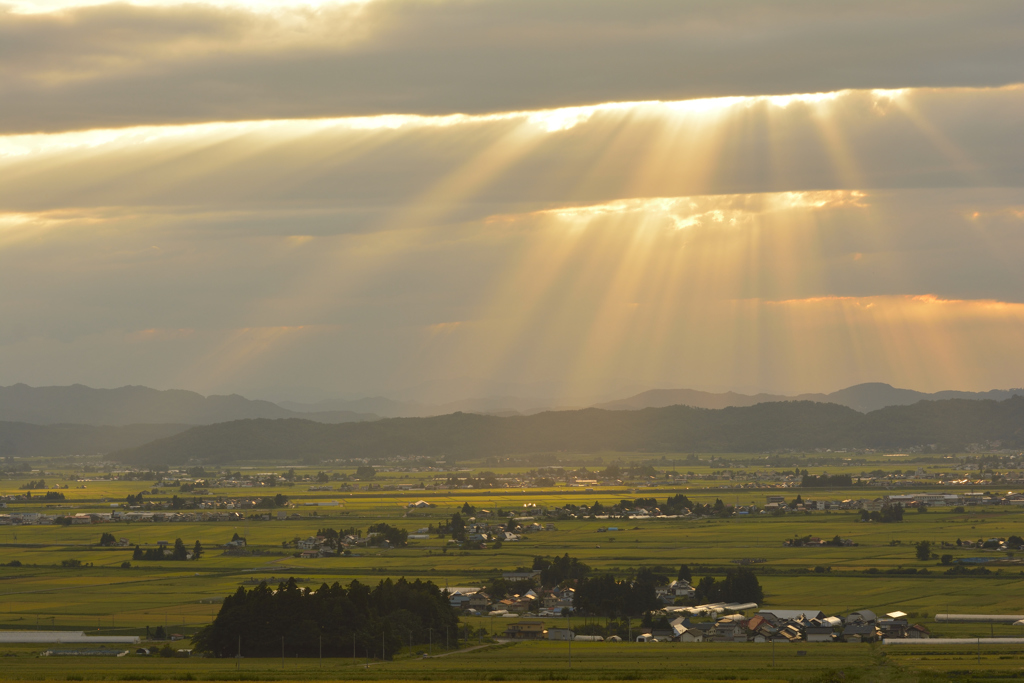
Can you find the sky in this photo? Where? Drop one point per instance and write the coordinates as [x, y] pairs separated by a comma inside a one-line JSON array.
[[577, 199]]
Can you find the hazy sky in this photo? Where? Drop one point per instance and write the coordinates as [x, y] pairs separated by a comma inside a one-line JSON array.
[[299, 200]]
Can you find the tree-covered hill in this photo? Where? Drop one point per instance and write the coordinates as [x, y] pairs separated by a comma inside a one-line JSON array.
[[21, 440], [769, 426]]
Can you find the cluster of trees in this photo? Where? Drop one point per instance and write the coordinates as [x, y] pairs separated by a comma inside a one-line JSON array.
[[1014, 541], [675, 505], [280, 500], [499, 588], [135, 498], [33, 485], [888, 513], [482, 480], [679, 504], [355, 621], [178, 553], [107, 539], [455, 526], [560, 570], [604, 595], [624, 504], [179, 503], [632, 471], [801, 541], [334, 536], [739, 585], [961, 570], [393, 535], [49, 495], [822, 480]]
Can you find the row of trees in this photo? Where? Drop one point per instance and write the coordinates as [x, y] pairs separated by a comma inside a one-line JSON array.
[[355, 621], [679, 504], [739, 585], [888, 513], [560, 570], [178, 553], [604, 595], [393, 535]]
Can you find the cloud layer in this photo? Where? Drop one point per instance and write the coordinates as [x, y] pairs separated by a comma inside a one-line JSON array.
[[121, 64], [355, 198]]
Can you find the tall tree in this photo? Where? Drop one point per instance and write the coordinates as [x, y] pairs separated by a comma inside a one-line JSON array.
[[924, 551], [458, 527]]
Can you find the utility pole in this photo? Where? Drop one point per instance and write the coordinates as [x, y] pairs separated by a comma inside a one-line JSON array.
[[321, 651], [773, 653], [568, 631], [238, 657], [282, 652]]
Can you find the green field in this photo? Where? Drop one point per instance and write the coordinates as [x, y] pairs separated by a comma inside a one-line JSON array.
[[100, 596]]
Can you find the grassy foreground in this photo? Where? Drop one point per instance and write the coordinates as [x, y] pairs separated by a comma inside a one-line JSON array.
[[810, 662]]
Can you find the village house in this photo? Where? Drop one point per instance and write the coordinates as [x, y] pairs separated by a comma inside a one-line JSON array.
[[527, 629], [821, 633], [860, 633], [918, 631]]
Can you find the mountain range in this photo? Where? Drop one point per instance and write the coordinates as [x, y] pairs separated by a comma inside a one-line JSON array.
[[82, 420], [78, 404], [861, 397]]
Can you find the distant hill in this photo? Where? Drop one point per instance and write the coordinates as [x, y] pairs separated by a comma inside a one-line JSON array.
[[861, 397], [78, 404], [766, 426], [26, 440], [386, 407]]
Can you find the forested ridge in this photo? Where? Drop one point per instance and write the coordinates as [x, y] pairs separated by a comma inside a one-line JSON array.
[[949, 425], [23, 439]]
